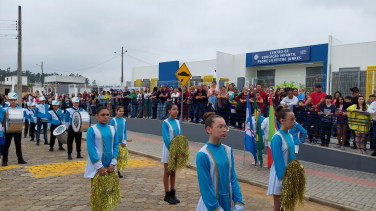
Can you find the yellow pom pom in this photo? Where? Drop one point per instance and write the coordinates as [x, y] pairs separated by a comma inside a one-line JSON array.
[[178, 153], [123, 157], [294, 86], [281, 85], [105, 192], [293, 188]]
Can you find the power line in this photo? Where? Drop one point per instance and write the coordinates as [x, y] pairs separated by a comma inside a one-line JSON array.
[[159, 54], [82, 68], [138, 59]]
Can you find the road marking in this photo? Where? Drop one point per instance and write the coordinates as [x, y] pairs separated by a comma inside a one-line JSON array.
[[9, 167], [57, 169]]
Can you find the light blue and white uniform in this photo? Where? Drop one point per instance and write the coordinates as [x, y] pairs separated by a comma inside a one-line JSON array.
[[217, 179], [41, 111], [102, 147], [295, 132], [33, 118], [120, 125], [26, 115], [53, 119], [283, 152], [2, 138], [68, 115], [170, 129]]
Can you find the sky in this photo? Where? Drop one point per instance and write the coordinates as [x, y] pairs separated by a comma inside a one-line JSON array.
[[73, 36]]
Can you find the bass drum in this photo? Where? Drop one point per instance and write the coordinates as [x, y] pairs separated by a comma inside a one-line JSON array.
[[61, 134], [80, 121], [14, 120]]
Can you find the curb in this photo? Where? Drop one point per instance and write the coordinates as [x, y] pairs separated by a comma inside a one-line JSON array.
[[264, 186]]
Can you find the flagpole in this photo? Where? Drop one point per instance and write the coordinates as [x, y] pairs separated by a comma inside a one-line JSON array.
[[244, 155]]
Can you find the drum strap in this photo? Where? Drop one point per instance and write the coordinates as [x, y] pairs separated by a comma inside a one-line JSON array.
[[57, 116]]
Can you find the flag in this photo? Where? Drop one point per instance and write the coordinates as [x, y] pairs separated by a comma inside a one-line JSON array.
[[249, 136], [272, 130], [259, 139]]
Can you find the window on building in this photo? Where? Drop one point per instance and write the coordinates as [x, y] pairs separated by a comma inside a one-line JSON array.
[[314, 76], [266, 78]]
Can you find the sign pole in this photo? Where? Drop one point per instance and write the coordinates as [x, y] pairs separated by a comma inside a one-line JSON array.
[[181, 102]]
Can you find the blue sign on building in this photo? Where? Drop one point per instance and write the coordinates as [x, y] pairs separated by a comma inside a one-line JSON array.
[[286, 55]]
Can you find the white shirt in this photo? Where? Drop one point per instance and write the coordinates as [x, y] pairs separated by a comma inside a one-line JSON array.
[[372, 109], [175, 96], [290, 102], [147, 95]]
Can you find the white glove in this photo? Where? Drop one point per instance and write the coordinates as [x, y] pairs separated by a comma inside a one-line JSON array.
[[239, 208]]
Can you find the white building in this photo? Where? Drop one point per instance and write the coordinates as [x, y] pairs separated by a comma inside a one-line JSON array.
[[337, 66], [8, 80]]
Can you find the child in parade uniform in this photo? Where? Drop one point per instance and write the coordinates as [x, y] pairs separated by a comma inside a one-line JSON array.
[[41, 112], [2, 124], [55, 118], [102, 145], [33, 120], [26, 119], [120, 125], [170, 128], [216, 174], [295, 132], [8, 136], [282, 147], [71, 134]]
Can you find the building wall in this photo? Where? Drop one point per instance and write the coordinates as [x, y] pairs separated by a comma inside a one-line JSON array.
[[8, 80], [201, 68], [353, 55], [146, 72]]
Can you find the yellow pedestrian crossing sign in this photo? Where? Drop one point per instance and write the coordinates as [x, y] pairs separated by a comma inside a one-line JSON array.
[[183, 74]]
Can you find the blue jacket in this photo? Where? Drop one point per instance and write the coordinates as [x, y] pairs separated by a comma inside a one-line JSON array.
[[295, 133], [39, 111], [53, 119]]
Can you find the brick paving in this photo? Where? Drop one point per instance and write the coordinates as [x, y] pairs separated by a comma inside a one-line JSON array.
[[341, 188]]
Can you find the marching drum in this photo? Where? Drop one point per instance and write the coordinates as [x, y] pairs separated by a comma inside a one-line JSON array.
[[61, 134], [80, 121], [14, 120]]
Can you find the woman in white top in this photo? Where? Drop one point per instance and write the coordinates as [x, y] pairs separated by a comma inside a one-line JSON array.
[[147, 102], [175, 96], [140, 101]]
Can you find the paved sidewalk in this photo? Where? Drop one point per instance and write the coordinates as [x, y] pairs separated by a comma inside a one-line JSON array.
[[337, 187]]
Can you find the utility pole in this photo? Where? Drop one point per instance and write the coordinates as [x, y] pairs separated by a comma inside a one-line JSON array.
[[122, 52], [41, 76], [19, 62]]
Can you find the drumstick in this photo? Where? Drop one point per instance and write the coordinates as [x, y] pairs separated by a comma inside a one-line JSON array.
[[129, 140]]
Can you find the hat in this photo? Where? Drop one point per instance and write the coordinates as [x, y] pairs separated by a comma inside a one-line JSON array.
[[354, 89], [30, 104], [34, 104], [12, 95], [75, 100], [55, 102], [41, 98], [318, 86]]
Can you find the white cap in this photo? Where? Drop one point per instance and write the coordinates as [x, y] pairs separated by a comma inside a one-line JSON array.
[[55, 102], [12, 95], [41, 98], [34, 104], [30, 104], [75, 100]]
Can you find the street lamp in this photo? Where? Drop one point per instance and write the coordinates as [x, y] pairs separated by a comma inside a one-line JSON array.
[[122, 53]]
